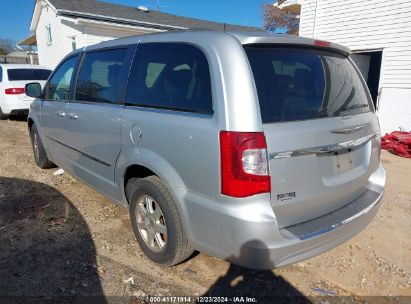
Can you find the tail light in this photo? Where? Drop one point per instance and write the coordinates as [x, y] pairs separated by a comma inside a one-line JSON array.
[[244, 165], [322, 43], [14, 91]]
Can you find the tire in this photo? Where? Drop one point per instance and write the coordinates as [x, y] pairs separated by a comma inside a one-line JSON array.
[[40, 156], [159, 233], [3, 116]]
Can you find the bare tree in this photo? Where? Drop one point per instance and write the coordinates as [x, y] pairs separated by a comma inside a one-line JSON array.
[[6, 46], [275, 18]]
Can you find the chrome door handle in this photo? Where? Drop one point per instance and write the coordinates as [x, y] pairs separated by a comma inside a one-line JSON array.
[[73, 116], [61, 114]]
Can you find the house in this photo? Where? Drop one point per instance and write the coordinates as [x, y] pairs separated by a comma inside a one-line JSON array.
[[379, 34], [290, 7], [61, 26]]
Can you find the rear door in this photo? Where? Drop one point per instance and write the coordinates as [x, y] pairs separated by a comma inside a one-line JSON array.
[[94, 116], [320, 128]]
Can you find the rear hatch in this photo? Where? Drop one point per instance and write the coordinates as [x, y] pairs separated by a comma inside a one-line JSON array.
[[320, 127], [19, 77]]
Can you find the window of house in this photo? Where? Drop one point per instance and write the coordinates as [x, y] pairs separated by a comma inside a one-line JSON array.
[[48, 33], [98, 80], [170, 76], [58, 88]]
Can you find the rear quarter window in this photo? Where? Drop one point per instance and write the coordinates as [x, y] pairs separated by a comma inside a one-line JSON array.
[[301, 84], [171, 76], [28, 74]]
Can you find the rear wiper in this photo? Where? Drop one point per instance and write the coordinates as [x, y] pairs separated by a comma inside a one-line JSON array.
[[356, 106]]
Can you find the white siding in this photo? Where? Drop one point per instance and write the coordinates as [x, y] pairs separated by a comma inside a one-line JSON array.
[[307, 18], [51, 54], [63, 29], [367, 25]]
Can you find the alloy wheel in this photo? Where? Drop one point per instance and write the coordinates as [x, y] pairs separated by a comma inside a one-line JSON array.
[[151, 223]]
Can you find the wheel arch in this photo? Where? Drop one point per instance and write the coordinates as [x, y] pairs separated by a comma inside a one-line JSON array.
[[30, 123], [134, 171], [141, 163]]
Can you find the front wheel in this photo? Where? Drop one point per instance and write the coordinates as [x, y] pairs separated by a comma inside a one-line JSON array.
[[40, 156], [156, 222]]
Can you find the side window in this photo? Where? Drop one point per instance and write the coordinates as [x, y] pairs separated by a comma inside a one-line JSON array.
[[171, 76], [58, 88], [1, 74], [99, 76]]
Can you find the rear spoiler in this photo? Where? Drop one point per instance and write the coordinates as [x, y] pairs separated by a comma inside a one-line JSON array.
[[281, 39]]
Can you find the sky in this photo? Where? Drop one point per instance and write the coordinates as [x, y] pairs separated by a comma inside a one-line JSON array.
[[16, 15]]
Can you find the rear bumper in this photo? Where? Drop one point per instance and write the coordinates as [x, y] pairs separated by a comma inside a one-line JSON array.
[[298, 249], [15, 105], [247, 233], [20, 112]]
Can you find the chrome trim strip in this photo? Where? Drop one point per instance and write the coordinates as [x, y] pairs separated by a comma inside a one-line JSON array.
[[168, 111], [344, 222], [82, 153], [339, 148], [348, 130]]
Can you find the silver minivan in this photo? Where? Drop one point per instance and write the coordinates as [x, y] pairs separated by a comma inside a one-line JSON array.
[[260, 149]]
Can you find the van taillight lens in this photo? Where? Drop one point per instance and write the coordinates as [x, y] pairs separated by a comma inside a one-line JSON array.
[[244, 165], [14, 91]]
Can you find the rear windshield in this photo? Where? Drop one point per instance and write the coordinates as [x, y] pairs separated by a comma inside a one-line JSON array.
[[301, 83], [28, 74]]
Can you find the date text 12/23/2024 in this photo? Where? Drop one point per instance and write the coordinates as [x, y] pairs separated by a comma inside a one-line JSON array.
[[200, 299]]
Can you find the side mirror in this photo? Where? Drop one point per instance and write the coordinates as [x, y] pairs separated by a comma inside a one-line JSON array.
[[33, 89]]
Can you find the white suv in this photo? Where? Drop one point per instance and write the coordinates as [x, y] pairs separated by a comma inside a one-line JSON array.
[[13, 78]]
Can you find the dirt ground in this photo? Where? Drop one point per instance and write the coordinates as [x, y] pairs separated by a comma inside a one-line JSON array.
[[59, 238]]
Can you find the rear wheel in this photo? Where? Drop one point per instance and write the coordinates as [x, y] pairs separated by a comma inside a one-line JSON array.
[[2, 115], [156, 222], [40, 156]]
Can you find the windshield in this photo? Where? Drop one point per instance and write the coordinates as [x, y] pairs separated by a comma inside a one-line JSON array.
[[28, 74], [301, 83]]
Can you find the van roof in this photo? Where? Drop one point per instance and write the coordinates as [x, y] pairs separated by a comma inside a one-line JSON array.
[[241, 36]]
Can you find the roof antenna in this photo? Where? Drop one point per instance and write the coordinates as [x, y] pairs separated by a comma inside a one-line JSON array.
[[157, 5]]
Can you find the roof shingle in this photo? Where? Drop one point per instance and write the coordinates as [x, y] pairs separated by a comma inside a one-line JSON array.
[[122, 14]]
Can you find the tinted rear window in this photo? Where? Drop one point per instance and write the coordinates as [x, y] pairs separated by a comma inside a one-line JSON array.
[[300, 84], [28, 74]]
